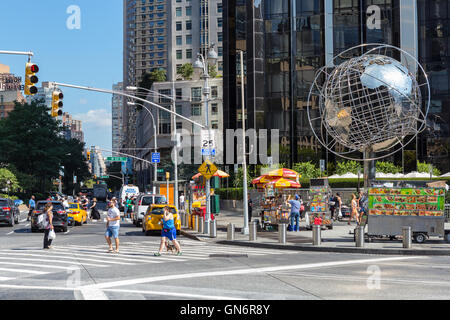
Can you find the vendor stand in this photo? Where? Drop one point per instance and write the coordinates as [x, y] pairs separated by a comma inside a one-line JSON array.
[[413, 204], [318, 204]]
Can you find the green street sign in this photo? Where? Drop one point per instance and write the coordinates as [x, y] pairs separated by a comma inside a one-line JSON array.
[[116, 159], [160, 170], [104, 177]]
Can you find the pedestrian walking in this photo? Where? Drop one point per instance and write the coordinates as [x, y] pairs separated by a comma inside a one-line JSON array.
[[332, 204], [354, 211], [182, 201], [48, 225], [125, 208], [362, 204], [66, 203], [95, 214], [112, 227], [168, 232], [295, 212], [338, 210], [302, 208], [31, 207], [250, 207]]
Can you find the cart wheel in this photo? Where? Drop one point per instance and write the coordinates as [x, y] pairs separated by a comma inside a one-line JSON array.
[[369, 239], [420, 238], [392, 238]]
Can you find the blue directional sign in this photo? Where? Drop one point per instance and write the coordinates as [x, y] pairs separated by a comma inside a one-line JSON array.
[[205, 152], [156, 157]]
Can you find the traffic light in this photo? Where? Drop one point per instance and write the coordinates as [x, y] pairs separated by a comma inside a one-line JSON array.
[[89, 156], [31, 79], [57, 103]]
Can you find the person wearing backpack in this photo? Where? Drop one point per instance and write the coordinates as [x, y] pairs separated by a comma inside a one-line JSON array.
[[48, 225]]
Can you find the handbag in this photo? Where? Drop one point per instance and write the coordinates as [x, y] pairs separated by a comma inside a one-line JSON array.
[[52, 235]]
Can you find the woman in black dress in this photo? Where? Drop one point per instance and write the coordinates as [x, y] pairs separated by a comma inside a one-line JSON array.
[[94, 211]]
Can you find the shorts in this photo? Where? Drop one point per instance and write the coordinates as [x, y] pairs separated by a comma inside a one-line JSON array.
[[112, 232], [170, 234]]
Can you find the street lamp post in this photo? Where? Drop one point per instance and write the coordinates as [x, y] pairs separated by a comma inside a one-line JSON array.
[[155, 178], [201, 66]]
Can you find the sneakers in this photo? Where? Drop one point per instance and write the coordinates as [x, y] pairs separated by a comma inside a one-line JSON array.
[[179, 253], [157, 254]]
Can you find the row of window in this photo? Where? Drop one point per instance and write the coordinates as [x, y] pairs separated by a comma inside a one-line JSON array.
[[152, 63], [152, 8], [179, 53], [179, 11], [196, 94], [166, 128]]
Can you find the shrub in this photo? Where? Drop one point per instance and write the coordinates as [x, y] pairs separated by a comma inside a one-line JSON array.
[[387, 167], [307, 169], [343, 167]]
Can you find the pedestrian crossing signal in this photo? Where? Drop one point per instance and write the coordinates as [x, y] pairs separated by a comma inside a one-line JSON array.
[[57, 103], [31, 79]]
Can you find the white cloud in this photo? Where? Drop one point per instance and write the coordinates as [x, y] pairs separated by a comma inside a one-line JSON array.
[[99, 118]]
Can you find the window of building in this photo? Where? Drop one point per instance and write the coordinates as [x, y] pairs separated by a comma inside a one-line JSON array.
[[214, 92], [164, 115], [189, 25], [220, 51], [219, 8], [166, 92], [189, 11], [214, 124], [196, 110], [179, 93], [179, 26], [165, 128], [179, 40], [179, 54], [189, 54], [219, 36], [214, 109], [196, 94], [189, 39], [219, 22], [179, 125], [178, 11], [179, 109], [178, 1], [220, 66], [160, 62], [160, 38]]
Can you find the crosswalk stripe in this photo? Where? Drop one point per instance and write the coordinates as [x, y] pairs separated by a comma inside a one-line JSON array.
[[6, 279], [35, 265], [23, 271], [52, 261]]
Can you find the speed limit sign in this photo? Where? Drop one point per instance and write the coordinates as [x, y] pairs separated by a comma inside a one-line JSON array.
[[208, 143]]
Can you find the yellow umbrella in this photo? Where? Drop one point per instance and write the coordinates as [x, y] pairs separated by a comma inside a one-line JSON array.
[[284, 183], [284, 173]]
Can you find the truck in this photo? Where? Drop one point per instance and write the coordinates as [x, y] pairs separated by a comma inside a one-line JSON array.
[[100, 191]]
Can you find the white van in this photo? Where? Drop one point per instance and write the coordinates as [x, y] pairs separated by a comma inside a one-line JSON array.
[[127, 191], [143, 201]]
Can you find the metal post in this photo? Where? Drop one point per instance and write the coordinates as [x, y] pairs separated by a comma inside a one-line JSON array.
[[244, 160], [174, 130], [183, 218], [206, 226], [317, 238], [230, 232], [282, 233], [359, 236], [407, 239], [213, 229], [201, 224], [252, 231]]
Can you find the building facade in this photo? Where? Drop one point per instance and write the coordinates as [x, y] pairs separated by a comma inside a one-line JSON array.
[[72, 129], [10, 91], [97, 162], [117, 118], [287, 41]]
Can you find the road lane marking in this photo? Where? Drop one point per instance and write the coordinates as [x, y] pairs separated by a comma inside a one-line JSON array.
[[10, 233], [174, 294], [52, 261], [23, 271], [242, 271], [6, 279], [35, 265]]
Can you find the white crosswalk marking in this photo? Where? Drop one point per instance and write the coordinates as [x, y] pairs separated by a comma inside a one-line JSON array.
[[36, 261]]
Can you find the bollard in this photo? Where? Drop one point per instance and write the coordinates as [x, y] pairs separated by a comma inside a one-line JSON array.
[[253, 229], [206, 225], [282, 233], [407, 242], [317, 238], [230, 232], [213, 229], [182, 218], [189, 221], [196, 223], [359, 236], [201, 224]]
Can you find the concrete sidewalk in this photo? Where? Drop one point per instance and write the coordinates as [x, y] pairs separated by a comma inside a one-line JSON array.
[[338, 239]]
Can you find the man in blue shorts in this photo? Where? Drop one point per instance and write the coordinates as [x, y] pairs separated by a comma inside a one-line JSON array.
[[112, 226], [169, 232]]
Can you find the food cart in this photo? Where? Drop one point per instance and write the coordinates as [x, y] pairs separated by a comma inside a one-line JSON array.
[[274, 210], [392, 207], [318, 204]]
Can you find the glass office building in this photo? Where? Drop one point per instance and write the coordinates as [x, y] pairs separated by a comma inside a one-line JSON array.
[[287, 41]]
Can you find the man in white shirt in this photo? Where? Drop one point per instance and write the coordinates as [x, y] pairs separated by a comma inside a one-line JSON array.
[[182, 201], [112, 226]]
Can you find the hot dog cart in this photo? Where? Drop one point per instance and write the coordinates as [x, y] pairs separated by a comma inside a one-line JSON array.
[[392, 207], [318, 195]]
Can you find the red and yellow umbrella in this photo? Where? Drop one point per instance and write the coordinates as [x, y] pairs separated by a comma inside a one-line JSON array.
[[284, 173], [219, 173], [283, 183]]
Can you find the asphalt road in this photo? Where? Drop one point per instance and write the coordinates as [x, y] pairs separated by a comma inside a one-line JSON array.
[[80, 268]]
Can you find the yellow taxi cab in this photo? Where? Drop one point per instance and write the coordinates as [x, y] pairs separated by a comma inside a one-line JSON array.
[[76, 215], [153, 218]]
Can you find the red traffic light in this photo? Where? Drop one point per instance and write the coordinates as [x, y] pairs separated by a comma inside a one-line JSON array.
[[34, 68]]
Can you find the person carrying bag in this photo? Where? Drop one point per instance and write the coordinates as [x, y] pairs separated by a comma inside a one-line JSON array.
[[49, 233]]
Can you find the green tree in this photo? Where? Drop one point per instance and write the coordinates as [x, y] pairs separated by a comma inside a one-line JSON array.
[[387, 167], [157, 75], [307, 170], [343, 167], [238, 180], [425, 167], [74, 163], [186, 71], [5, 176], [212, 71]]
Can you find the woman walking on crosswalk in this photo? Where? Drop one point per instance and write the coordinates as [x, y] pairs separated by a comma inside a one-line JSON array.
[[48, 216], [169, 232]]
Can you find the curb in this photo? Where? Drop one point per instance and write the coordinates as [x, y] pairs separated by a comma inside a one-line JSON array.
[[189, 235], [404, 252]]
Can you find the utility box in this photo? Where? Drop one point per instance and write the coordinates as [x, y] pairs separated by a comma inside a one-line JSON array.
[[215, 182], [215, 204]]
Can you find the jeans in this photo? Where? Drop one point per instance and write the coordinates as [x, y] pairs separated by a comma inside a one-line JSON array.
[[296, 216], [47, 241]]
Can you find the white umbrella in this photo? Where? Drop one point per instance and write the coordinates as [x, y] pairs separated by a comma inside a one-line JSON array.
[[446, 175], [416, 174], [334, 176], [350, 175]]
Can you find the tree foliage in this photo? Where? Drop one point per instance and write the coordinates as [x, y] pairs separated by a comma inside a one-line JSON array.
[[238, 180], [387, 167], [212, 71], [186, 71], [425, 167], [307, 170], [5, 176], [344, 167]]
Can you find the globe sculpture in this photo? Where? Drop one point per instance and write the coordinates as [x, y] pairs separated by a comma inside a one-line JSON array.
[[368, 103]]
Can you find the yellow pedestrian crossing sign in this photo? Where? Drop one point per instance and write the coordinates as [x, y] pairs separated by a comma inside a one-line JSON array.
[[207, 169]]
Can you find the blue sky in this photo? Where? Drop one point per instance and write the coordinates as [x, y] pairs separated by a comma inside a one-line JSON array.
[[90, 56]]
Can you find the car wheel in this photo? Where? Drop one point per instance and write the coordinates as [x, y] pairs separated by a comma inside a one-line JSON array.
[[420, 238], [138, 224], [64, 229]]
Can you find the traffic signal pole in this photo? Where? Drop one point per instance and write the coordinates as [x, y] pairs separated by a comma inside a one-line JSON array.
[[20, 53]]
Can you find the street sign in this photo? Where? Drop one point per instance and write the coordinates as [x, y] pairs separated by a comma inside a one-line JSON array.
[[116, 159], [160, 171], [208, 143], [207, 169], [104, 177], [156, 157], [322, 165], [205, 152]]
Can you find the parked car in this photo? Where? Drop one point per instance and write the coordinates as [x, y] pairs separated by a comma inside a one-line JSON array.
[[9, 212], [142, 202], [153, 218], [59, 216]]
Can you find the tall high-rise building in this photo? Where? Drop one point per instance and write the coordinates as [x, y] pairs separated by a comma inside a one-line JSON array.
[[117, 118], [287, 41], [72, 128], [98, 162]]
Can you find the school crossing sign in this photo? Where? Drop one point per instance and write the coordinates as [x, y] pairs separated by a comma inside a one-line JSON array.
[[207, 169]]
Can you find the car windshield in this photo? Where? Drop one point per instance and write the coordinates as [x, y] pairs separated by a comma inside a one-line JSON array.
[[3, 203], [160, 200], [73, 206], [158, 211], [146, 201], [56, 206]]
